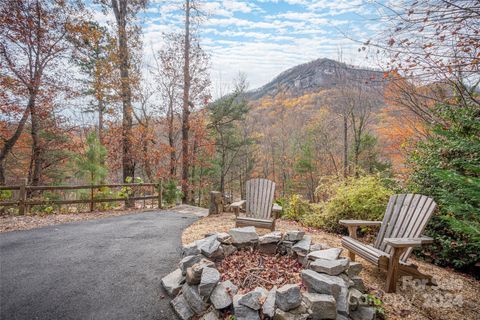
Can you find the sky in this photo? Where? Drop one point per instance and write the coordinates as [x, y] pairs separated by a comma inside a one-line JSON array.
[[262, 38]]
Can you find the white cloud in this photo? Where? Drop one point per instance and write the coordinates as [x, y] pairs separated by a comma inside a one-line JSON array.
[[236, 6], [240, 37]]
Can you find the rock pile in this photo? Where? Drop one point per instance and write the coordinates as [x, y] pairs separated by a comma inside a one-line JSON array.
[[332, 288]]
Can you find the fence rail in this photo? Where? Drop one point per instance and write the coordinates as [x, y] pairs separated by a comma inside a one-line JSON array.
[[25, 191]]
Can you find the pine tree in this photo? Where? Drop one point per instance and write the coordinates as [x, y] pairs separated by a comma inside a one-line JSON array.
[[90, 166], [447, 167]]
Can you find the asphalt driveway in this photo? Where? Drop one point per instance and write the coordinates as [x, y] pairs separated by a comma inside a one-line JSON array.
[[100, 269]]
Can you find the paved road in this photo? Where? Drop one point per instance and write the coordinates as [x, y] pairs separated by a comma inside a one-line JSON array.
[[99, 269]]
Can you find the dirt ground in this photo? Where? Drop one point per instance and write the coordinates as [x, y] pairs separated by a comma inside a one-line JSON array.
[[455, 297]]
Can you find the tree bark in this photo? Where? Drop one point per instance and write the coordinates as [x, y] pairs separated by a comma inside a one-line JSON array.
[[171, 140], [186, 104], [120, 11], [10, 143], [100, 121], [345, 145], [36, 160]]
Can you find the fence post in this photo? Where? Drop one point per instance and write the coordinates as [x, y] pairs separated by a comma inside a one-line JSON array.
[[92, 203], [22, 197], [160, 194]]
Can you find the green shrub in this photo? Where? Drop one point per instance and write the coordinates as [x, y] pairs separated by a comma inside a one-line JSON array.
[[6, 195], [104, 193], [295, 207], [47, 208], [446, 166], [316, 217], [363, 198], [171, 193]]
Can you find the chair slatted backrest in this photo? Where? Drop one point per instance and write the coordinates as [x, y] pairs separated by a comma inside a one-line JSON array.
[[406, 217], [259, 198]]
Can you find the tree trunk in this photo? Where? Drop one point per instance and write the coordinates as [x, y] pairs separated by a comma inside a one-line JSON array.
[[100, 122], [146, 163], [345, 145], [120, 11], [186, 106], [10, 143], [191, 198], [36, 159], [171, 141]]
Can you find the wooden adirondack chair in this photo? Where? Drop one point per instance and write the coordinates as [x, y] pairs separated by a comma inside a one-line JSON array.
[[400, 231], [260, 211]]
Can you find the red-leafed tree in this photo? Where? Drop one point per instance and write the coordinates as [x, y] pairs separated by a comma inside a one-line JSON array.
[[32, 44]]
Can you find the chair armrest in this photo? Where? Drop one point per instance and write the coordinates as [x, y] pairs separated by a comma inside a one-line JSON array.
[[276, 209], [236, 207], [238, 204], [407, 242], [358, 223]]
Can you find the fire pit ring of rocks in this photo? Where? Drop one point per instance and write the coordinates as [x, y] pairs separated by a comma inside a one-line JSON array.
[[331, 286]]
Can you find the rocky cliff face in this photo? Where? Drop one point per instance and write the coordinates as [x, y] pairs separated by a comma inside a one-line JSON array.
[[314, 75]]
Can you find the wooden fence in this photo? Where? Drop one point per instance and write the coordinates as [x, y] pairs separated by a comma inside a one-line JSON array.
[[24, 191]]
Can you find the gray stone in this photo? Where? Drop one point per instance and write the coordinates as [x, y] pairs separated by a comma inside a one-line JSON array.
[[327, 254], [323, 306], [193, 277], [272, 237], [263, 292], [363, 313], [268, 248], [228, 249], [348, 283], [194, 299], [322, 283], [210, 278], [285, 247], [303, 246], [302, 259], [181, 307], [224, 238], [318, 246], [358, 283], [294, 235], [342, 301], [283, 315], [330, 267], [251, 300], [354, 269], [355, 299], [220, 297], [190, 249], [212, 315], [242, 236], [288, 297], [268, 307], [210, 247], [231, 288], [194, 273], [173, 282], [243, 312], [189, 261]]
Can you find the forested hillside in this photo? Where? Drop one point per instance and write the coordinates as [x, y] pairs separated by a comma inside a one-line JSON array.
[[86, 99]]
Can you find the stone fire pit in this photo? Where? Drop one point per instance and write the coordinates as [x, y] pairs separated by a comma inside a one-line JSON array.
[[329, 286]]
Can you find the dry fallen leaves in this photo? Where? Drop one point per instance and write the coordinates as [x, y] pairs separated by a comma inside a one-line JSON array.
[[248, 269]]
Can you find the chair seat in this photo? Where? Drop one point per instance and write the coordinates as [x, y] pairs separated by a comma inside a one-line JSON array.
[[248, 221], [366, 251]]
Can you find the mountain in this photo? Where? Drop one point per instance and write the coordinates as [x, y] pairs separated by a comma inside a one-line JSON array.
[[315, 75]]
